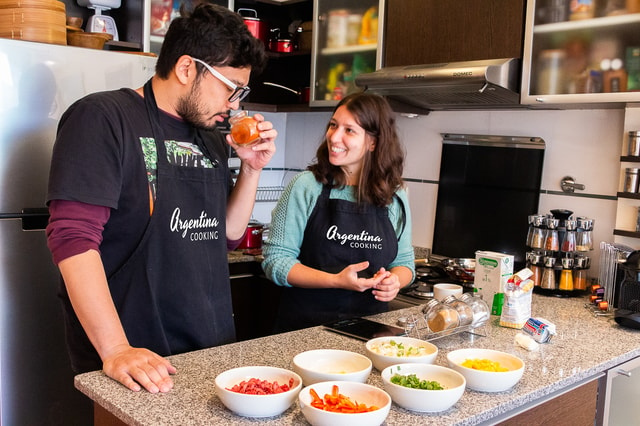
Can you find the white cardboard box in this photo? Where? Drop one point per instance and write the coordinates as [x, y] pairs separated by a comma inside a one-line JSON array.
[[492, 271]]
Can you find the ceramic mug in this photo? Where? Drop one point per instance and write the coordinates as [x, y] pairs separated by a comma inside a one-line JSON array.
[[442, 290]]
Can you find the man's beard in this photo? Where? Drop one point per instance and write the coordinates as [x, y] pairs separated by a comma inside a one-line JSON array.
[[188, 108]]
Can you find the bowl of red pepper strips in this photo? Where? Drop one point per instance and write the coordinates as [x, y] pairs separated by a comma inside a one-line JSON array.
[[342, 403], [258, 391]]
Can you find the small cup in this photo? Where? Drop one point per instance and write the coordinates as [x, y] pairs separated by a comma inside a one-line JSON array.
[[244, 128], [443, 290]]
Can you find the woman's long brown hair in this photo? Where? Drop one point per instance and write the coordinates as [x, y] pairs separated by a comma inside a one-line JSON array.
[[382, 168]]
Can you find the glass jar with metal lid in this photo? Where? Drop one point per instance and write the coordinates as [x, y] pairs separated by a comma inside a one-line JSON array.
[[465, 313], [479, 307], [440, 317]]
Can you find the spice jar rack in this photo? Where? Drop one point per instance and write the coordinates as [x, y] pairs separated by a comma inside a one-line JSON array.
[[558, 245], [416, 326]]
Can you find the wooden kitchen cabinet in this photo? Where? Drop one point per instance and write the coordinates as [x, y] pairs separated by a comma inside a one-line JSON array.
[[436, 31], [255, 300], [576, 407]]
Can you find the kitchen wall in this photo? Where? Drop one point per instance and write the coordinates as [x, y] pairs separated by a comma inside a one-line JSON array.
[[584, 144]]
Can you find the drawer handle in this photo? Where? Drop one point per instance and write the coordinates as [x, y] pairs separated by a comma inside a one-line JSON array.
[[624, 372]]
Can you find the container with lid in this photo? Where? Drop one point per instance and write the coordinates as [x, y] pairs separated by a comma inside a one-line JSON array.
[[440, 317], [465, 313], [549, 275], [551, 76], [479, 307], [634, 143], [631, 179], [337, 28]]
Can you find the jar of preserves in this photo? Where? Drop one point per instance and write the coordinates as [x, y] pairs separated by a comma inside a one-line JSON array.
[[440, 317], [244, 128]]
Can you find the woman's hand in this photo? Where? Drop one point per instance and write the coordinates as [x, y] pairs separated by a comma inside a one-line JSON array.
[[387, 289], [349, 280]]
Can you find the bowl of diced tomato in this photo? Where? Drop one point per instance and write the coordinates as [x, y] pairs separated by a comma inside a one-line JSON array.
[[340, 403], [258, 391]]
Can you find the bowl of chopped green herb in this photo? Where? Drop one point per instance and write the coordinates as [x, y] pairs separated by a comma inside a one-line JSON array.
[[386, 351], [425, 388]]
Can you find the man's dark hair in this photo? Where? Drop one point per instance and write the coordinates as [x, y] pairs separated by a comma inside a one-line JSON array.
[[213, 34]]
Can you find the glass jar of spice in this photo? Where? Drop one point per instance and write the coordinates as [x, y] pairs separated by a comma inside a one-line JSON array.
[[465, 313], [440, 317], [552, 240]]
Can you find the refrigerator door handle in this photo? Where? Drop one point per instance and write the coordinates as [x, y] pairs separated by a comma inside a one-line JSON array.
[[33, 218]]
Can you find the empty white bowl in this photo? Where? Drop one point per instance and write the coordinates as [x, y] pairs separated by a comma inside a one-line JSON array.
[[424, 400], [487, 381], [248, 405], [357, 392], [323, 365], [386, 351]]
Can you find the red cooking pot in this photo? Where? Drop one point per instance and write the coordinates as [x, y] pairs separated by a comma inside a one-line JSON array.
[[253, 237], [258, 28]]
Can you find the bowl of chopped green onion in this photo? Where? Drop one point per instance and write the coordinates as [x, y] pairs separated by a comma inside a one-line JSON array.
[[386, 351], [425, 388]]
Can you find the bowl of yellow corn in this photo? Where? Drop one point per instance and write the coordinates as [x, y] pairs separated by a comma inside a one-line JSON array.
[[487, 370]]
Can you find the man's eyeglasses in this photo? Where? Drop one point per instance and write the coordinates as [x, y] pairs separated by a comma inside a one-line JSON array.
[[239, 93]]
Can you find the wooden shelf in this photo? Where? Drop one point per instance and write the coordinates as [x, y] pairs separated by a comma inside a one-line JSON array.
[[282, 107], [630, 159], [630, 195], [624, 233]]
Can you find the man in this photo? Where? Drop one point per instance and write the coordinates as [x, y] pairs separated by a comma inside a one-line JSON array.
[[142, 208]]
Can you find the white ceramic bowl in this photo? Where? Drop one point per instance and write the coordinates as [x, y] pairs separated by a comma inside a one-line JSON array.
[[487, 381], [361, 393], [323, 365], [382, 361], [257, 405], [423, 400]]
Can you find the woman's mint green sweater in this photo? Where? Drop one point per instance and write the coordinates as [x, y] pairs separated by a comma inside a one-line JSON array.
[[289, 220]]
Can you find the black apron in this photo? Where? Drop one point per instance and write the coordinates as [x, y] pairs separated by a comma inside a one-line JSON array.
[[339, 233], [173, 294]]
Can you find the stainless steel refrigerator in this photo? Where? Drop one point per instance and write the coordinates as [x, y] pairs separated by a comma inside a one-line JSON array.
[[37, 83]]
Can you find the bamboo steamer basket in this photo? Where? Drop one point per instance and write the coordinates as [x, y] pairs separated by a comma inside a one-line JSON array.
[[33, 20]]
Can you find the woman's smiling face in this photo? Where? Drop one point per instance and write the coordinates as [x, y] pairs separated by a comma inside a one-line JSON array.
[[347, 142]]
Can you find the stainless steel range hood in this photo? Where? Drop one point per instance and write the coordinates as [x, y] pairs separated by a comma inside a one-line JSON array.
[[485, 84]]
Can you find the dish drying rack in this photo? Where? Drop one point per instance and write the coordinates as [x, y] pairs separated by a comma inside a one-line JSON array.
[[269, 193], [417, 327]]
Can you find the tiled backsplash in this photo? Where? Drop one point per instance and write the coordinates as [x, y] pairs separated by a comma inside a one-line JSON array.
[[584, 144]]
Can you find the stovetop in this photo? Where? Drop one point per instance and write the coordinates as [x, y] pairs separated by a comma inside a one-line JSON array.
[[428, 273]]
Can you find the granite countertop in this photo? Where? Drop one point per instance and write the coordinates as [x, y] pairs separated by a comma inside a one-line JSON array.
[[584, 347]]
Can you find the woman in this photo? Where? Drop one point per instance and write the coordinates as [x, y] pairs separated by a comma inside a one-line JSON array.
[[340, 236]]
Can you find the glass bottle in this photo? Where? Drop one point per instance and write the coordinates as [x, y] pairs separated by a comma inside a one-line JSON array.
[[244, 130], [465, 313], [566, 275], [584, 240], [535, 236], [552, 241], [535, 262], [569, 240], [549, 275], [479, 307], [581, 265], [440, 317]]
